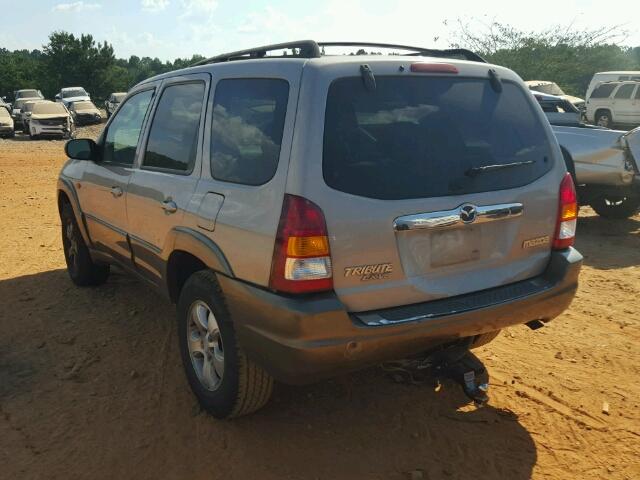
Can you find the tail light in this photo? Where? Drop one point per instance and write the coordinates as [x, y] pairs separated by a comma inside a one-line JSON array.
[[301, 259], [567, 214]]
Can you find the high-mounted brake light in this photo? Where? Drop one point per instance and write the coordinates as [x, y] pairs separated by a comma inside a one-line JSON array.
[[567, 215], [301, 258], [433, 68]]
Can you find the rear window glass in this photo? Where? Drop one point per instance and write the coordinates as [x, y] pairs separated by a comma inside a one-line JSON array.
[[418, 137], [248, 121], [28, 94], [603, 91]]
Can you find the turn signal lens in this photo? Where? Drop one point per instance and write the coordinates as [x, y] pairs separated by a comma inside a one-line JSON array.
[[308, 246]]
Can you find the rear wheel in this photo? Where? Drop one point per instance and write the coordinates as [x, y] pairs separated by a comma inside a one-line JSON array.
[[616, 207], [81, 268], [224, 380], [603, 119]]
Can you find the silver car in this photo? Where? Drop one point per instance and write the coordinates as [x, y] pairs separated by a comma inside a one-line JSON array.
[[312, 215]]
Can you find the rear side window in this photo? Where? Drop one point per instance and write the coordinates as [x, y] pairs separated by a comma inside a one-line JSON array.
[[603, 91], [247, 126], [638, 93], [416, 137], [173, 138], [122, 136], [625, 91]]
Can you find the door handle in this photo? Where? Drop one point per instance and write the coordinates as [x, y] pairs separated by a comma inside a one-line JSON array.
[[169, 206], [116, 192]]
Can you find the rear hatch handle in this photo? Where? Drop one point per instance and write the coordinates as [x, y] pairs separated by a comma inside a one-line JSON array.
[[464, 214]]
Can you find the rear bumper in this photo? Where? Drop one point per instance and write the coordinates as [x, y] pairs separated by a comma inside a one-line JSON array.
[[301, 340]]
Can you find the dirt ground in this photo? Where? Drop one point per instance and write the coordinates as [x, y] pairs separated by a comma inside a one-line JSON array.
[[91, 384]]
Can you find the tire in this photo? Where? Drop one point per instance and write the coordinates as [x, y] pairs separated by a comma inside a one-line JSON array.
[[235, 387], [616, 207], [82, 270], [603, 119]]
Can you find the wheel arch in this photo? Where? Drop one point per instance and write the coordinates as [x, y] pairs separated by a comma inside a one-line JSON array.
[[67, 196], [192, 251]]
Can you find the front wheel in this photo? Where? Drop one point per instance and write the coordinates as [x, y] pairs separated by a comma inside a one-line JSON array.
[[615, 207], [81, 268], [603, 119], [225, 381]]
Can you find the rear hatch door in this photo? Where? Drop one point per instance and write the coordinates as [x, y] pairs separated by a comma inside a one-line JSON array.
[[433, 186]]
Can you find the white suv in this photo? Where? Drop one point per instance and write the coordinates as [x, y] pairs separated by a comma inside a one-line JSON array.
[[614, 103]]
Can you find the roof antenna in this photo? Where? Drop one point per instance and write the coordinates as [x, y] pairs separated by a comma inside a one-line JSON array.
[[367, 77]]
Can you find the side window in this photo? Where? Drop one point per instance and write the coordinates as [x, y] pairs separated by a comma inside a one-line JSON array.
[[638, 93], [603, 91], [122, 136], [173, 139], [247, 126], [625, 91]]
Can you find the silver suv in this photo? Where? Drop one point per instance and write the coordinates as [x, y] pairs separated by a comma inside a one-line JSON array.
[[313, 214]]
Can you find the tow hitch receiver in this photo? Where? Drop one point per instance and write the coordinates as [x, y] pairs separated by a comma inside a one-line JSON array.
[[464, 368], [454, 363]]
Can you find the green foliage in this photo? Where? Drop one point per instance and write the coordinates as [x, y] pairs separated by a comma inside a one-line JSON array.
[[69, 61], [563, 55]]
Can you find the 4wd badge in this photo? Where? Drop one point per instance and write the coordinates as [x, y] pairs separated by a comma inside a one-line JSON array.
[[378, 271]]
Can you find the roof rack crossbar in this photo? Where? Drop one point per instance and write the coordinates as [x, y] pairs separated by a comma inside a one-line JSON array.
[[447, 53], [308, 49]]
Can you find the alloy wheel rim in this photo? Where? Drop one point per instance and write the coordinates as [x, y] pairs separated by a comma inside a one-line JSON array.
[[603, 121], [205, 345]]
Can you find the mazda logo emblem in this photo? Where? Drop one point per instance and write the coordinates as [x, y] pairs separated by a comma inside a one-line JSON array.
[[468, 213]]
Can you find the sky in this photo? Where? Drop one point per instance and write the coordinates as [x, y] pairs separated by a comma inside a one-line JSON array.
[[169, 29]]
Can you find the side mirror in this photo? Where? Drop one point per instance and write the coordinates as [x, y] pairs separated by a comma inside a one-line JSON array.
[[81, 149], [58, 96]]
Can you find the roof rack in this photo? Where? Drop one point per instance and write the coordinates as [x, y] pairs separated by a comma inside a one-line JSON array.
[[462, 53], [307, 49], [312, 49]]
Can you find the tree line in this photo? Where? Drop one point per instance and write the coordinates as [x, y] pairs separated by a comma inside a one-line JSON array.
[[567, 57], [69, 60]]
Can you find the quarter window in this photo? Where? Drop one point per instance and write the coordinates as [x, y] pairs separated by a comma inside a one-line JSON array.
[[122, 136], [248, 121], [625, 91], [173, 139]]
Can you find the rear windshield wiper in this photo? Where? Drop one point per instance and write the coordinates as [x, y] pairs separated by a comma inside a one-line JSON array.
[[472, 172]]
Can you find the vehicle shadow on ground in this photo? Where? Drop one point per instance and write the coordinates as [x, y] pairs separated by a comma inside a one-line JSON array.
[[609, 244], [92, 378]]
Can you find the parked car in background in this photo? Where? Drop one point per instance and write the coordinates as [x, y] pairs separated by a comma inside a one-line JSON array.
[[50, 119], [25, 112], [604, 163], [68, 95], [551, 88], [27, 93], [6, 123], [259, 236], [602, 77], [558, 110], [16, 113], [4, 104], [85, 112], [614, 103], [113, 101]]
